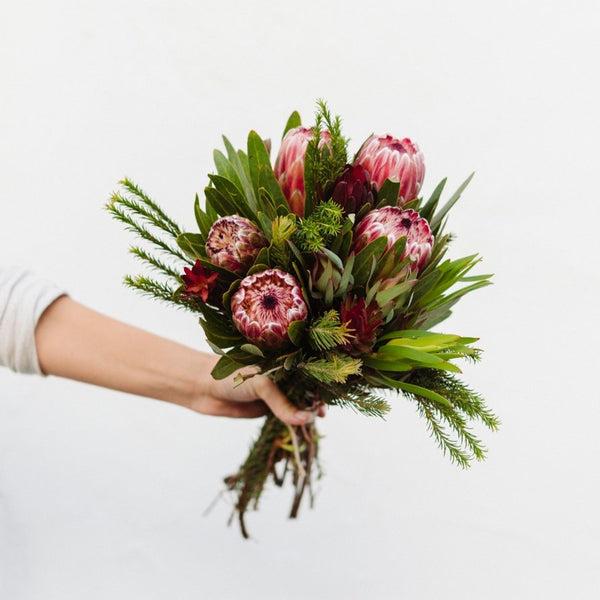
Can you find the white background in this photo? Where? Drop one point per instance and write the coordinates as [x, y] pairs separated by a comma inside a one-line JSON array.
[[102, 494]]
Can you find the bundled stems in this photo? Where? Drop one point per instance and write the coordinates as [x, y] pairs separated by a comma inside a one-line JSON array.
[[295, 447]]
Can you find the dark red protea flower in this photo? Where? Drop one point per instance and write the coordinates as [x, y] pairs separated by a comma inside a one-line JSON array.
[[233, 243], [364, 321], [264, 306], [387, 157], [289, 166], [198, 281], [395, 223], [353, 189]]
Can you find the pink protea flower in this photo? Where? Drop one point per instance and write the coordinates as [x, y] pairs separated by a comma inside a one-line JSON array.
[[233, 243], [394, 223], [289, 166], [386, 157], [264, 306]]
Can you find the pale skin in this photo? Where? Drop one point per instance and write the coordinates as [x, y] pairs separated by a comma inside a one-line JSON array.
[[78, 343]]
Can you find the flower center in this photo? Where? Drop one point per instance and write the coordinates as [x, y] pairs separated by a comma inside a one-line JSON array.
[[269, 301], [406, 223]]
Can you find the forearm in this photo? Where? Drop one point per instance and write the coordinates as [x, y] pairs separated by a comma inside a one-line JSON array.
[[78, 343]]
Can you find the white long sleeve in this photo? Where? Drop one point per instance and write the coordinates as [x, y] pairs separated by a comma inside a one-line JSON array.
[[23, 299]]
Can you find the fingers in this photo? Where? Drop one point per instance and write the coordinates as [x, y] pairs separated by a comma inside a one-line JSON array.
[[237, 410], [281, 407]]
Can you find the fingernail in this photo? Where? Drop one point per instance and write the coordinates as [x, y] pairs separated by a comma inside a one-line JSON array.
[[304, 416]]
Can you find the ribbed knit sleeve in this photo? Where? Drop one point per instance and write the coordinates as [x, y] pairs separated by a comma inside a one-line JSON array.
[[23, 299]]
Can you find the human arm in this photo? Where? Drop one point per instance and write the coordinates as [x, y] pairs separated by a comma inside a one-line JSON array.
[[78, 343]]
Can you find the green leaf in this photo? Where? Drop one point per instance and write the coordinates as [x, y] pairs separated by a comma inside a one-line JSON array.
[[257, 268], [192, 244], [416, 390], [413, 355], [225, 367], [240, 165], [225, 168], [296, 332], [405, 333], [388, 194], [365, 260], [437, 219], [297, 254], [262, 258], [293, 122], [218, 339], [396, 366], [428, 210], [460, 293], [235, 197], [252, 349], [439, 340], [229, 293], [266, 224], [477, 277], [202, 219], [261, 171], [394, 292]]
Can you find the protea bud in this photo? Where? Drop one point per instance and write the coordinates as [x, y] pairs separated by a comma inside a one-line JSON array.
[[386, 157], [233, 243], [363, 320], [198, 281], [353, 189], [289, 166], [265, 304], [394, 223], [327, 279]]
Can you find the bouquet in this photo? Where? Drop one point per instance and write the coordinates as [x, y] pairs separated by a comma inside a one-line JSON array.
[[328, 275]]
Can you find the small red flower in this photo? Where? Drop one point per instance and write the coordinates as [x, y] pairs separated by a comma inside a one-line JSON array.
[[198, 281], [364, 321]]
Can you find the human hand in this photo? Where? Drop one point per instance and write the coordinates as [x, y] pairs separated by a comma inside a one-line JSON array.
[[255, 397]]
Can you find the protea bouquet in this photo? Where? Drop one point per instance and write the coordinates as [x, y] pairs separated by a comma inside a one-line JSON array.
[[327, 274]]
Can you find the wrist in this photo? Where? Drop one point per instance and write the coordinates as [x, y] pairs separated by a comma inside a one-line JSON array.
[[194, 381]]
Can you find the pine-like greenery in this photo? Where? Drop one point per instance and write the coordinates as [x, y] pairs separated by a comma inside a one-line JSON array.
[[334, 368], [316, 231], [359, 399], [449, 424], [327, 332], [145, 218], [323, 162]]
